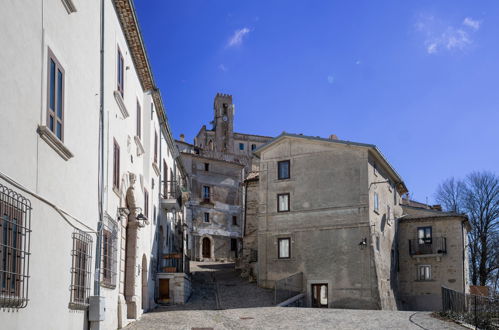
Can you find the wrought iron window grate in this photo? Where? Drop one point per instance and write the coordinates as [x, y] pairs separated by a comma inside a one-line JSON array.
[[15, 230], [80, 270], [109, 261]]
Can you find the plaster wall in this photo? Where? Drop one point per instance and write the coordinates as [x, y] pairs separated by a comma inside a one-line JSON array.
[[328, 218]]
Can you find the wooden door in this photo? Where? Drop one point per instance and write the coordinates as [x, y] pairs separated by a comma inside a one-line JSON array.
[[206, 248], [319, 296], [164, 290]]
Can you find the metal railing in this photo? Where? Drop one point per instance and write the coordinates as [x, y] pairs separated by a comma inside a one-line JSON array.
[[480, 311], [288, 287], [174, 263], [421, 246], [171, 190]]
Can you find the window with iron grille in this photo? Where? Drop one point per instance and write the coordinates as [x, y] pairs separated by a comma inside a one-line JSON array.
[[80, 270], [55, 99], [109, 253], [15, 230]]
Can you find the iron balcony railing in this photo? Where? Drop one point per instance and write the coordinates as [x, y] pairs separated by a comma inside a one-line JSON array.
[[422, 246], [174, 263], [171, 190]]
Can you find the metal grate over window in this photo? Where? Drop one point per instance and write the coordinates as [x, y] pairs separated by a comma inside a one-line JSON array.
[[15, 230], [80, 270], [109, 262]]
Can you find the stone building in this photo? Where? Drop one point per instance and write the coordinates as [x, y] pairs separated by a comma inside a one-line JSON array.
[[217, 163], [90, 191], [328, 210], [432, 248]]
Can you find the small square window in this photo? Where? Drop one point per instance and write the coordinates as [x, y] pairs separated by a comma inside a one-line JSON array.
[[206, 167], [284, 248], [283, 202], [234, 220], [424, 272], [241, 146], [206, 217], [253, 146], [376, 201], [283, 169]]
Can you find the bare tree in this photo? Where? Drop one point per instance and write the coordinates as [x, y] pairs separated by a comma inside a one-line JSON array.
[[478, 197]]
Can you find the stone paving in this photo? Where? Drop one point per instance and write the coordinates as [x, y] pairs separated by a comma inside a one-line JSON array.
[[221, 300]]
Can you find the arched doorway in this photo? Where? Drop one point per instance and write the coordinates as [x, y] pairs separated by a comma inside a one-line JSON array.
[[144, 283], [206, 253]]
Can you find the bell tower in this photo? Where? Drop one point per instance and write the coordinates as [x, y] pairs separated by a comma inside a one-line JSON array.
[[223, 123]]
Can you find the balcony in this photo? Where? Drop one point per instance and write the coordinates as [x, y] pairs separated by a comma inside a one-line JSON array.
[[173, 263], [171, 196], [427, 247]]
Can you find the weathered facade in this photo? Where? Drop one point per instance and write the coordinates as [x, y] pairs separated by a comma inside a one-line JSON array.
[[217, 163], [86, 185], [432, 247], [329, 209]]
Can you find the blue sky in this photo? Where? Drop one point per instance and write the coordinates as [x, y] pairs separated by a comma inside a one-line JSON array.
[[420, 79]]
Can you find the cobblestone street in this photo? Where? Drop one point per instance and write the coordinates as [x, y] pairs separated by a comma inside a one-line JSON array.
[[222, 300]]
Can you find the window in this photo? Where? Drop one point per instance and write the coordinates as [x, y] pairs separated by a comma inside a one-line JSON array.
[[155, 147], [424, 273], [206, 193], [283, 202], [109, 253], [80, 270], [284, 248], [241, 146], [206, 167], [233, 244], [375, 169], [388, 213], [283, 170], [120, 74], [146, 203], [154, 214], [376, 201], [234, 220], [55, 99], [377, 243], [165, 179], [15, 222], [253, 146], [116, 166], [206, 217], [139, 120], [424, 235]]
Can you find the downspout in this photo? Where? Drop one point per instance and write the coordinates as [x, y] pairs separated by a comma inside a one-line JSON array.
[[101, 159]]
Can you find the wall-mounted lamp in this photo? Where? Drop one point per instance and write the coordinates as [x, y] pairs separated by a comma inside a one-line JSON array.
[[363, 243]]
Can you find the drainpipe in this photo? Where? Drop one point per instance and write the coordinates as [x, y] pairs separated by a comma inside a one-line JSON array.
[[97, 314]]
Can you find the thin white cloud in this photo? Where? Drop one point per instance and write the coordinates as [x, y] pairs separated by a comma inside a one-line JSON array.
[[223, 68], [237, 37], [330, 79], [439, 37], [470, 22]]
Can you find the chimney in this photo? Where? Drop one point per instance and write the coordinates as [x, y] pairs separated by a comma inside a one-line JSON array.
[[182, 137], [333, 137]]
